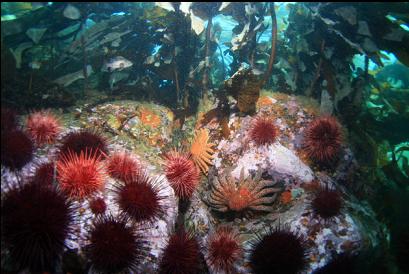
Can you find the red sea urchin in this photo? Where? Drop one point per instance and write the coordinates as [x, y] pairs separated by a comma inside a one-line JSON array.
[[122, 166], [36, 221], [16, 149], [43, 127], [322, 140], [327, 203], [114, 246], [181, 255], [85, 140], [81, 175], [224, 250], [279, 251], [182, 174], [140, 198], [263, 131]]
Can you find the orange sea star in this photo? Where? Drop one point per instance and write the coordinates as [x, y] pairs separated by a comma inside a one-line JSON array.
[[201, 150], [248, 193]]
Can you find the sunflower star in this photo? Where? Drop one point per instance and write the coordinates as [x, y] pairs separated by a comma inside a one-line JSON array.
[[247, 193], [201, 150]]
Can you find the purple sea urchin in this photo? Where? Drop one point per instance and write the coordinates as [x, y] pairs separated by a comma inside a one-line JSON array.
[[114, 246], [181, 255], [85, 140], [44, 173], [327, 203], [36, 221], [8, 119], [278, 251], [224, 249], [16, 149], [98, 206], [140, 198]]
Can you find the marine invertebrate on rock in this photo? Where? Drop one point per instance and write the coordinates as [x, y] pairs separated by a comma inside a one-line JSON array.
[[98, 206], [247, 193], [278, 251], [201, 150], [16, 149], [85, 139], [182, 174], [264, 101], [263, 131], [181, 254], [327, 203], [114, 246], [8, 119], [81, 175], [322, 139], [224, 249], [43, 127], [149, 118], [140, 197], [122, 166], [36, 221], [44, 174]]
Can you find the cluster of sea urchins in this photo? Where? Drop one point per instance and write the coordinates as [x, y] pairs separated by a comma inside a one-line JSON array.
[[38, 215], [35, 235]]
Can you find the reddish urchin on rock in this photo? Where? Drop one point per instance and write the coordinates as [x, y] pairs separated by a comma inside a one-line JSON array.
[[43, 127], [224, 250], [181, 255], [327, 203], [114, 246], [81, 175], [85, 140], [140, 198], [16, 149], [182, 174], [44, 174], [278, 251], [36, 220], [122, 166], [263, 131], [322, 140], [98, 206]]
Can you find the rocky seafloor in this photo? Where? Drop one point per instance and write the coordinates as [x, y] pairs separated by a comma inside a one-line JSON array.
[[146, 130]]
